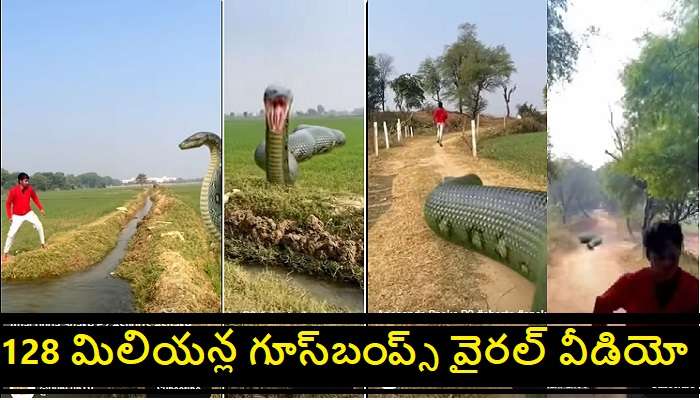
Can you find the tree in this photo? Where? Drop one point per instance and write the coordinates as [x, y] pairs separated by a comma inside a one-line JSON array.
[[141, 179], [408, 92], [562, 49], [321, 110], [385, 67], [527, 110], [486, 69], [7, 179], [40, 182], [624, 191], [57, 180], [576, 188], [452, 61], [658, 146], [89, 180], [507, 93], [430, 78], [470, 68], [374, 87]]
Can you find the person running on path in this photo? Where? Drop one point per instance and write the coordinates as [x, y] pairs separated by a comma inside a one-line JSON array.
[[440, 117], [19, 210]]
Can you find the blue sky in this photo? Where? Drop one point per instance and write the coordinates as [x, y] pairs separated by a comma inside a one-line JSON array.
[[314, 47], [420, 29], [109, 86]]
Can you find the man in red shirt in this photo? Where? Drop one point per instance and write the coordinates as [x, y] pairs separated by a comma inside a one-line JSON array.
[[440, 117], [662, 287], [19, 210]]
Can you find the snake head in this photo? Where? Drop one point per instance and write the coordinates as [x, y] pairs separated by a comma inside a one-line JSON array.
[[278, 102], [199, 139]]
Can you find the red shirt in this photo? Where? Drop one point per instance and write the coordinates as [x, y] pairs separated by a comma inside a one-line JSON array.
[[18, 201], [439, 115], [636, 293]]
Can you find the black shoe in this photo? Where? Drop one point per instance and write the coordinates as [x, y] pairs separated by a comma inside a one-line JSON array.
[[440, 144]]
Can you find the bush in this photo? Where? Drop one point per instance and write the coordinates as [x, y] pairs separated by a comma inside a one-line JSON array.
[[526, 110], [523, 125]]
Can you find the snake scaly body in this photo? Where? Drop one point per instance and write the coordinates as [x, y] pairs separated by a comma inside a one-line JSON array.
[[506, 224], [281, 157], [210, 192]]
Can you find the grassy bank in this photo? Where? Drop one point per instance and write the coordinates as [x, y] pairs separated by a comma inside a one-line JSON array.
[[75, 249], [523, 154], [312, 232], [266, 292], [67, 210], [172, 262]]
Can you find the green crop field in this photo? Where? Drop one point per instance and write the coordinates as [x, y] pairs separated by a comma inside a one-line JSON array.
[[523, 154], [189, 193], [66, 210], [340, 170]]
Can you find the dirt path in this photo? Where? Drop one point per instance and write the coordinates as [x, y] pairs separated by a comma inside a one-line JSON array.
[[577, 275], [409, 267]]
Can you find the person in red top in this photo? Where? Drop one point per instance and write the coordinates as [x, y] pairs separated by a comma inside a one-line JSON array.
[[19, 210], [440, 117], [663, 287]]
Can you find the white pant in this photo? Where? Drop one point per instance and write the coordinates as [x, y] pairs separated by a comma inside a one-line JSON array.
[[440, 128], [17, 221]]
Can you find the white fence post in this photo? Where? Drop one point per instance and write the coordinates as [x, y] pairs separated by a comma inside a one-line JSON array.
[[398, 129], [474, 139], [411, 131], [376, 140], [386, 136]]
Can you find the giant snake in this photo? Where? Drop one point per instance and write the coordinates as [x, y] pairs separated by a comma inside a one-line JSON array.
[[506, 224], [280, 152], [210, 192]]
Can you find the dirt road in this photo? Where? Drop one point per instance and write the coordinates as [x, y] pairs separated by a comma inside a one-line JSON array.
[[576, 275], [409, 267]]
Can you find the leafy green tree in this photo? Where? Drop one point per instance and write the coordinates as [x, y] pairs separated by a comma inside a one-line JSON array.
[[374, 88], [562, 49], [89, 180], [430, 78], [141, 179], [486, 69], [470, 68], [452, 62], [40, 181], [385, 67], [7, 179], [623, 190], [576, 188], [408, 92], [659, 144]]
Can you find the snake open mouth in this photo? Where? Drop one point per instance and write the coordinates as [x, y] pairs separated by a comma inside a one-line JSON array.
[[276, 111]]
